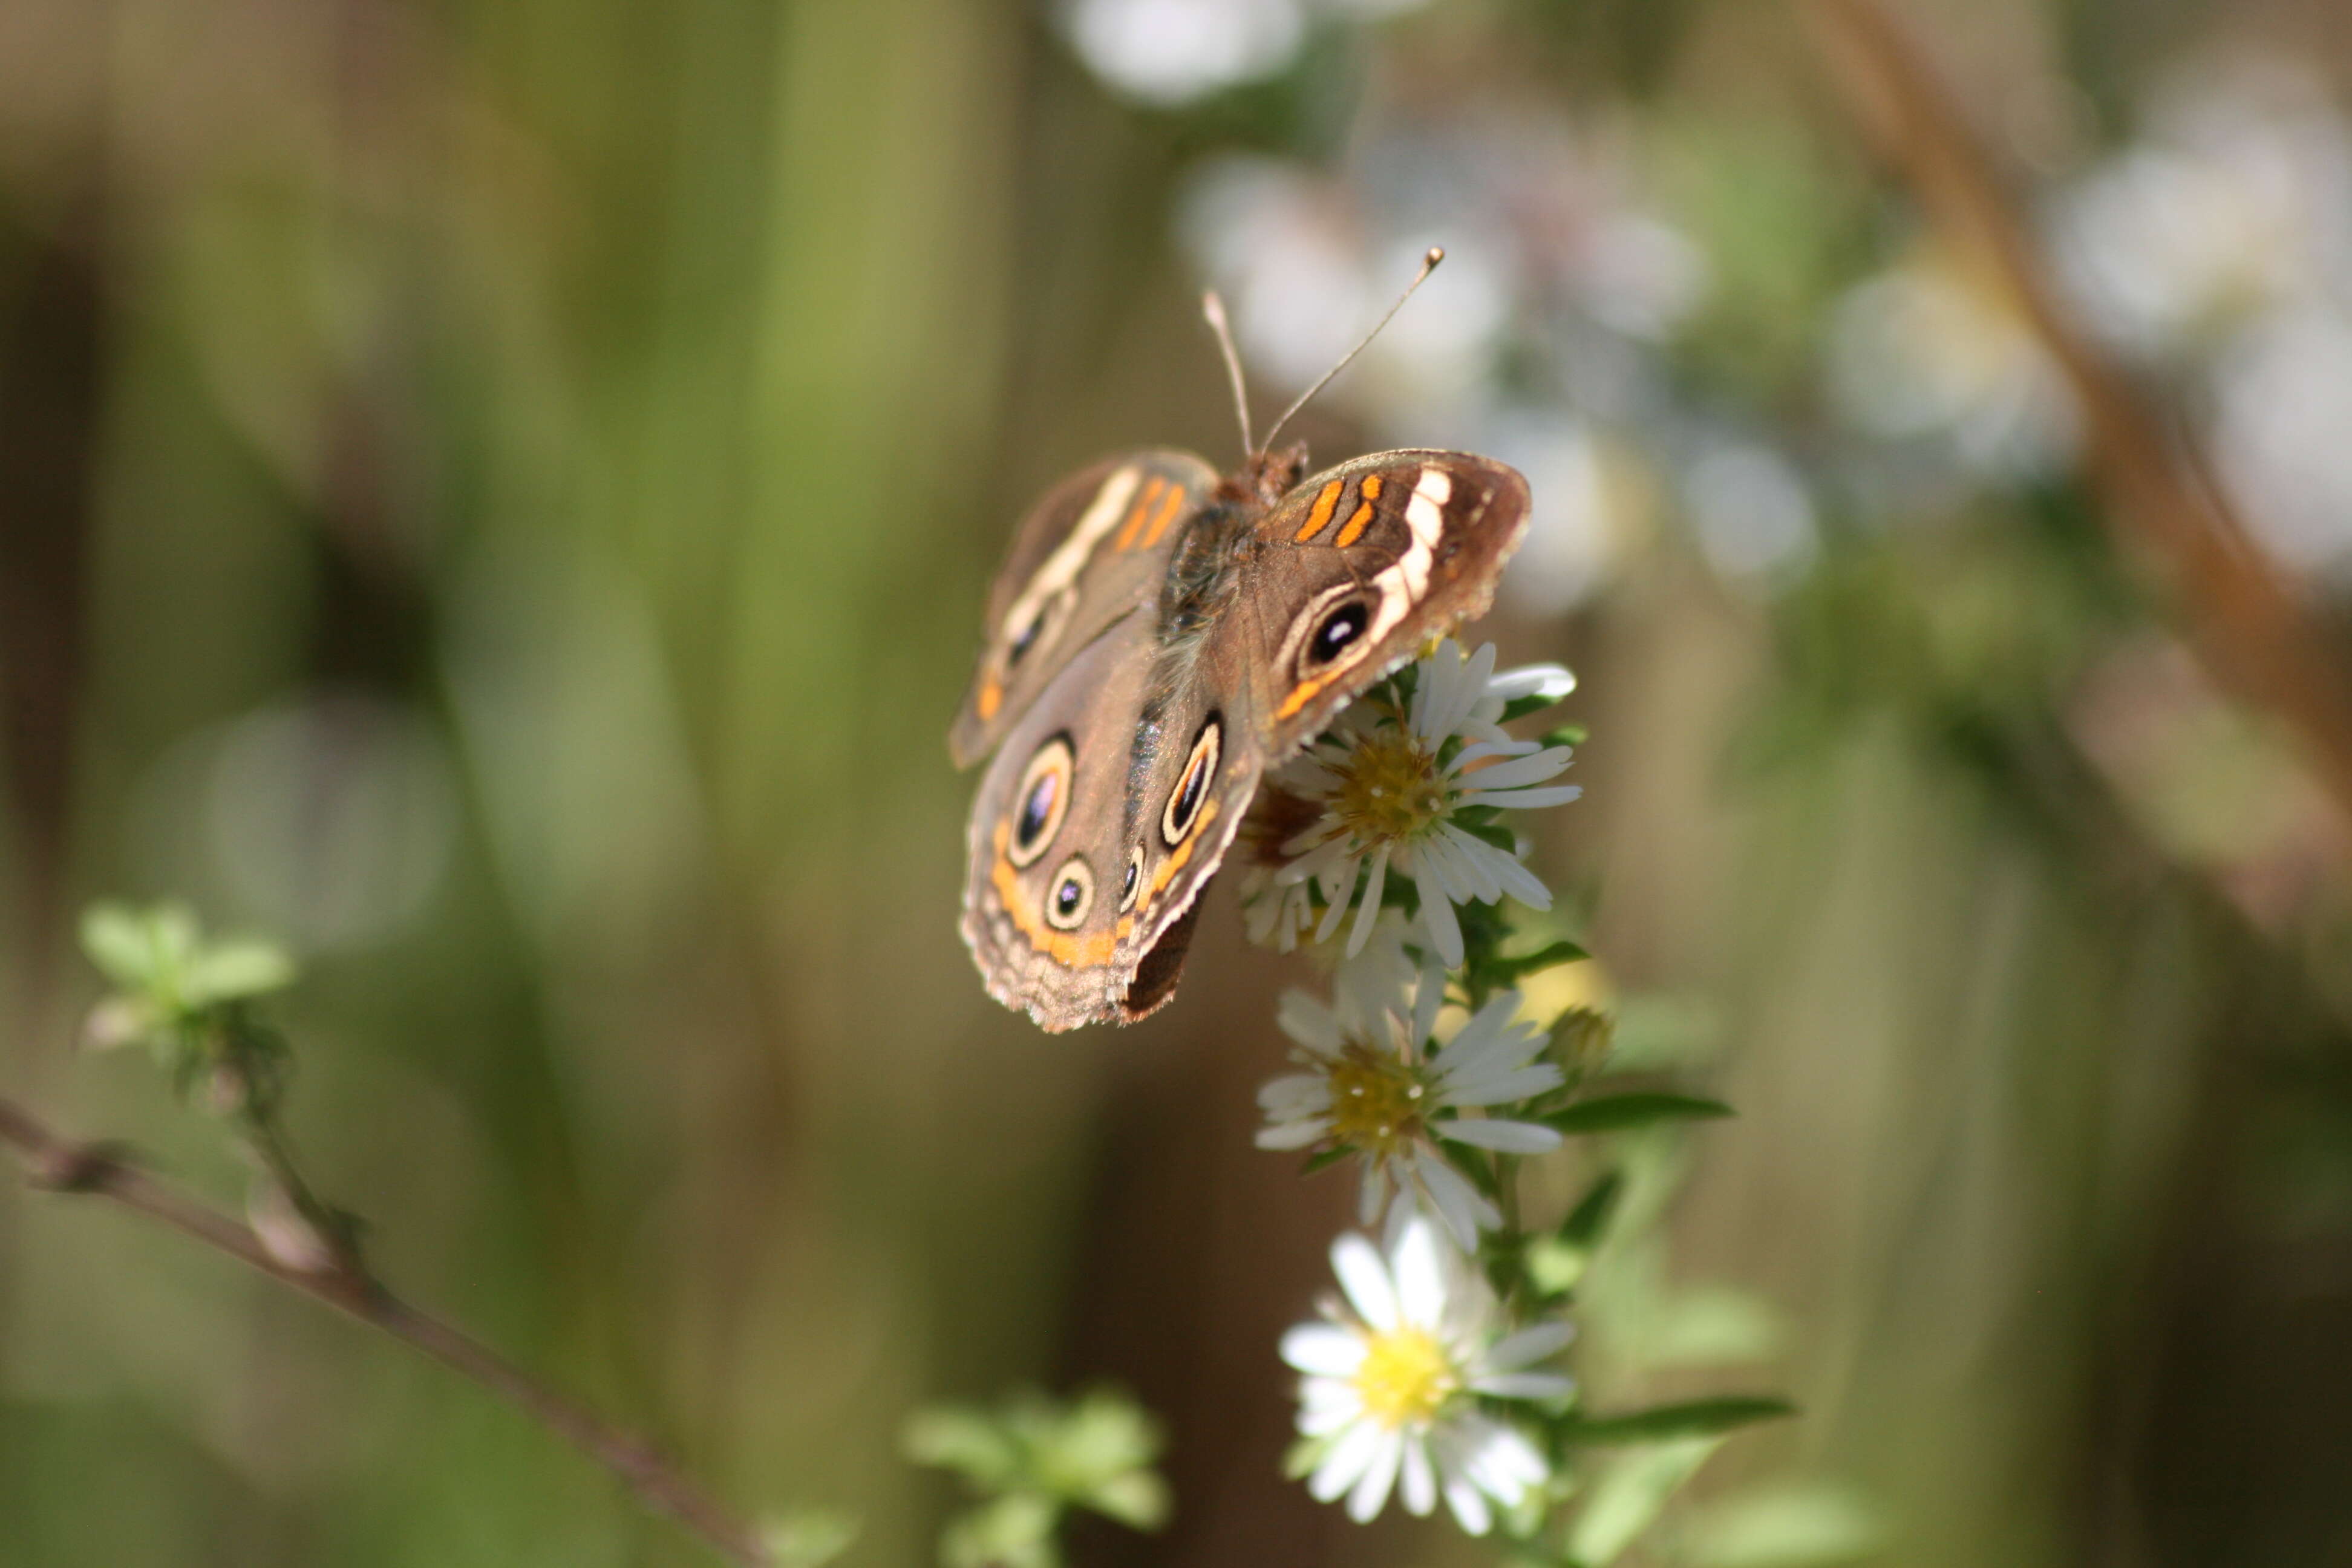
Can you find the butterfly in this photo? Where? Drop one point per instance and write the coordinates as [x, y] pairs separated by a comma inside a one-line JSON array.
[[1158, 636]]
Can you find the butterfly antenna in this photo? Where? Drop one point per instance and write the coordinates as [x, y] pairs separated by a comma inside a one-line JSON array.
[[1428, 265], [1214, 308]]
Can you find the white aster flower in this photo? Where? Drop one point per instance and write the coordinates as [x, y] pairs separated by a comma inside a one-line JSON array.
[[1392, 789], [1371, 1086], [1391, 1383]]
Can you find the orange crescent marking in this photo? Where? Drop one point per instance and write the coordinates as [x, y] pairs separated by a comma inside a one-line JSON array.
[[1063, 947], [1175, 863], [1126, 540], [1353, 529], [992, 697], [1324, 504], [1371, 487], [1166, 515], [1304, 692]]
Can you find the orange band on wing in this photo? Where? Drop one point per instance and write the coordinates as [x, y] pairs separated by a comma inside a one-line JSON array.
[[1126, 540], [1304, 693], [1175, 863], [992, 697], [1353, 529], [1324, 504], [1062, 947], [1166, 515]]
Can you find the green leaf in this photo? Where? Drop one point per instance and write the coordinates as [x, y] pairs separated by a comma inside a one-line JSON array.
[[119, 941], [1139, 1499], [1566, 735], [1550, 956], [1619, 1112], [233, 971], [1790, 1526], [1533, 703], [1012, 1532], [1670, 1423], [1591, 1217], [1324, 1159], [1556, 1263], [1628, 1498], [809, 1537], [970, 1442]]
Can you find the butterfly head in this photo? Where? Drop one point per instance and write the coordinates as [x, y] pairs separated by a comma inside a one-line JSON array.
[[1268, 476]]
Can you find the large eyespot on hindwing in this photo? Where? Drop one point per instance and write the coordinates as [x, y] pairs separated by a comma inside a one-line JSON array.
[[1185, 801], [1041, 800], [1131, 884], [1071, 896]]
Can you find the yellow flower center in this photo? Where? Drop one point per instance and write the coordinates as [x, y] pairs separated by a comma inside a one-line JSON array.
[[1389, 789], [1376, 1100], [1405, 1377]]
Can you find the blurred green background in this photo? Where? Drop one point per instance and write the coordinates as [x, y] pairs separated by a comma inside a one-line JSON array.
[[500, 496]]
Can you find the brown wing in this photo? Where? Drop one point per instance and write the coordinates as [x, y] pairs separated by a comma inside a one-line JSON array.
[[1092, 551], [1046, 905]]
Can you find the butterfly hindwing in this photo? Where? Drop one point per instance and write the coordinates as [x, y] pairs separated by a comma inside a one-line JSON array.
[[1045, 852], [1095, 548]]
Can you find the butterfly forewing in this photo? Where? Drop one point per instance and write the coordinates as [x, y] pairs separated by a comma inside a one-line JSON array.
[[1096, 547]]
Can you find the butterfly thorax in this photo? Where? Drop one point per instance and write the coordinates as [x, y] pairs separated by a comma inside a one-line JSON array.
[[1266, 478]]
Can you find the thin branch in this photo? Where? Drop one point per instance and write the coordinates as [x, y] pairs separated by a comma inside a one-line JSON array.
[[61, 1166], [2246, 622]]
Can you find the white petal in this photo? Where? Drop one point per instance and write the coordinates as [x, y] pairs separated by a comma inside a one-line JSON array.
[[1370, 1190], [1458, 1204], [1502, 1088], [1325, 1350], [1306, 1020], [1419, 1480], [1527, 1347], [1371, 1493], [1344, 1464], [1499, 745], [1427, 998], [1524, 1385], [1284, 1136], [1478, 858], [1295, 1094], [1365, 1278], [1370, 909], [1340, 893], [1418, 1265], [1470, 1510], [1550, 681], [1522, 799], [1519, 772], [1507, 1137], [1444, 930]]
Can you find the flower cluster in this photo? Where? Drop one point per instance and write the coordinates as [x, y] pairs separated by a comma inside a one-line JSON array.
[[1422, 1068], [1413, 779]]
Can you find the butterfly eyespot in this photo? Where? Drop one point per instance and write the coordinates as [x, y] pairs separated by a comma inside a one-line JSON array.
[[1041, 800], [1027, 640], [1335, 634], [1183, 808], [1132, 883], [1071, 896]]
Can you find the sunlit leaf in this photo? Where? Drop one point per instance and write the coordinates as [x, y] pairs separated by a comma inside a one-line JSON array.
[[1626, 1500], [809, 1538], [1790, 1526]]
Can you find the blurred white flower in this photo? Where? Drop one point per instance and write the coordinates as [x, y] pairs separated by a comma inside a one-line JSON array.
[[1373, 1086], [1922, 349], [1751, 511], [1391, 1383], [1170, 52], [1393, 790]]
